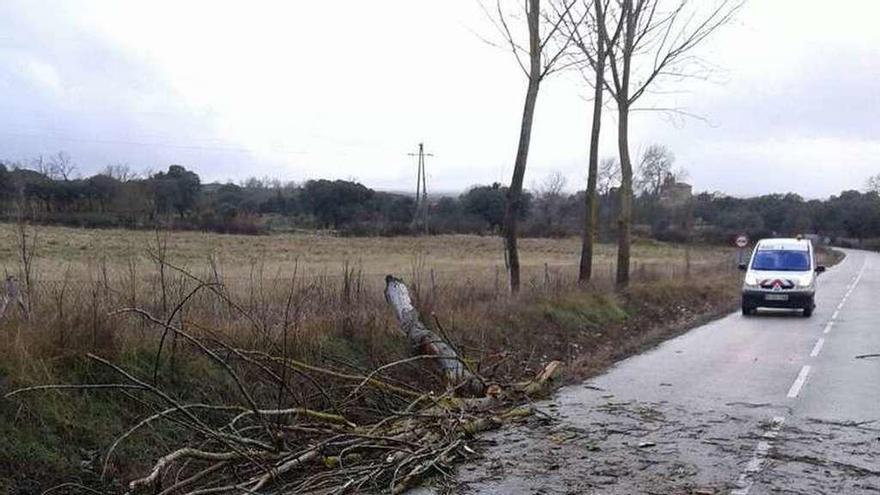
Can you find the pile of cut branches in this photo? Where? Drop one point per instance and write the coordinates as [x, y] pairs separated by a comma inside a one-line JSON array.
[[352, 432]]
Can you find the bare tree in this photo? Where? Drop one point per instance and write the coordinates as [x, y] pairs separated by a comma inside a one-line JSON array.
[[608, 176], [254, 182], [550, 199], [121, 172], [655, 168], [41, 166], [873, 184], [543, 52], [656, 40], [553, 185], [60, 166]]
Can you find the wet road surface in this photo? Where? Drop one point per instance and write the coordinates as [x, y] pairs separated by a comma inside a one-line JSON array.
[[768, 404]]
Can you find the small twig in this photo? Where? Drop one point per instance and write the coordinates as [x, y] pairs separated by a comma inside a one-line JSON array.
[[97, 386], [67, 486]]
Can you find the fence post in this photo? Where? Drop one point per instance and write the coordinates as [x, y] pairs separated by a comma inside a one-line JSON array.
[[687, 261]]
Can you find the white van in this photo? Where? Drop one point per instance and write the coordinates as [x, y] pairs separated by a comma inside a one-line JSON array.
[[781, 274]]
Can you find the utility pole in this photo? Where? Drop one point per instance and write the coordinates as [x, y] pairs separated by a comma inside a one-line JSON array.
[[421, 188]]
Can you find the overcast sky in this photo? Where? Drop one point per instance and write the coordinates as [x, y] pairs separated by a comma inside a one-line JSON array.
[[345, 89]]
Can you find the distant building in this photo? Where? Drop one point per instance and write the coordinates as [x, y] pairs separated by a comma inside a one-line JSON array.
[[675, 194], [676, 204]]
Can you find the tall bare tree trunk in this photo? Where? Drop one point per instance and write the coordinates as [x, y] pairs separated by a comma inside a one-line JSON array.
[[624, 219], [591, 200], [514, 193]]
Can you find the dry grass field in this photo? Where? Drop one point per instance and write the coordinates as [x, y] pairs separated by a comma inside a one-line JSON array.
[[79, 254]]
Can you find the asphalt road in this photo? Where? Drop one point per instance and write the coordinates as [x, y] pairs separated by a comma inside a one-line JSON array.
[[773, 403]]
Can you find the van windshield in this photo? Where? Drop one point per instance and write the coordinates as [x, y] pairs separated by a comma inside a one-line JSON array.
[[781, 260]]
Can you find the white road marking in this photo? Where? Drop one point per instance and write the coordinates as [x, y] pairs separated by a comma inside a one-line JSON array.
[[818, 347], [746, 478], [828, 327], [861, 272], [856, 279], [798, 382]]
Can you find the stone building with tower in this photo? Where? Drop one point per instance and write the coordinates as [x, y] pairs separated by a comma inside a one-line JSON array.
[[676, 205]]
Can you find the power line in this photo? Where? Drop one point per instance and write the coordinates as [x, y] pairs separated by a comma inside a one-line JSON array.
[[141, 143], [336, 144]]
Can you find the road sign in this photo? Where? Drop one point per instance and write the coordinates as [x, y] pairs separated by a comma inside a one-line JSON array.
[[742, 241]]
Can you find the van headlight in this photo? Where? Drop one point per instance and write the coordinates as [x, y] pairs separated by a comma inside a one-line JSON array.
[[803, 283], [751, 282]]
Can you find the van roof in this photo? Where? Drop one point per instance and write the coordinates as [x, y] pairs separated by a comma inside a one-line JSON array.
[[785, 244]]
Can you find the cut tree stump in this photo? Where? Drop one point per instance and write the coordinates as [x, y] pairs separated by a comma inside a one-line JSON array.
[[546, 382]]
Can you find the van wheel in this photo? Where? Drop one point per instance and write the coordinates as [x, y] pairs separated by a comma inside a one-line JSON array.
[[808, 311], [747, 310]]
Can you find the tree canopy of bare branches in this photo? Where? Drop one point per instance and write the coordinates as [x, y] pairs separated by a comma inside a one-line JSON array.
[[873, 183], [655, 167], [608, 175], [121, 172], [648, 41], [61, 166]]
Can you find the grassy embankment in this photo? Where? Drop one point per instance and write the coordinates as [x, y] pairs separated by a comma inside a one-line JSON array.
[[314, 298]]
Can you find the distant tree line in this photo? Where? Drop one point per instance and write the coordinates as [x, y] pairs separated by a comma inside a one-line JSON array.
[[46, 191]]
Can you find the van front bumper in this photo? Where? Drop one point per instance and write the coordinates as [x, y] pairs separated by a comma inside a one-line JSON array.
[[778, 299]]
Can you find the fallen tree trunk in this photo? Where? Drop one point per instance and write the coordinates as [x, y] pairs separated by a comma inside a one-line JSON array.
[[426, 342]]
